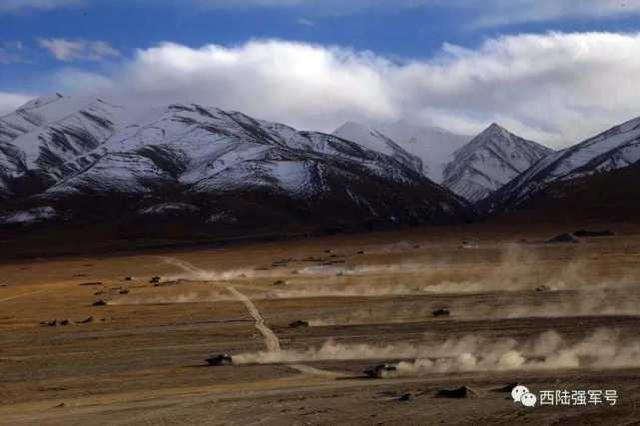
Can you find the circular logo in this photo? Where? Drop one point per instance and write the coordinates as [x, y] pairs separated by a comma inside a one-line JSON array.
[[518, 391], [528, 400]]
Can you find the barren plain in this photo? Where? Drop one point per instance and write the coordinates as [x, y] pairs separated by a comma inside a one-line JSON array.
[[476, 306]]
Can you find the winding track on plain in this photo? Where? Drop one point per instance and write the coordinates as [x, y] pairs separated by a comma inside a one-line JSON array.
[[271, 340]]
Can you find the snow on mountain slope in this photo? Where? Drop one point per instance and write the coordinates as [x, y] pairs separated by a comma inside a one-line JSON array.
[[489, 161], [47, 134], [377, 141], [29, 216], [186, 152], [613, 149], [114, 172], [432, 145], [56, 129], [11, 165]]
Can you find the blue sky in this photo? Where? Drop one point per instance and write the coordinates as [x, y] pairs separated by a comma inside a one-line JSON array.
[[96, 46], [401, 33]]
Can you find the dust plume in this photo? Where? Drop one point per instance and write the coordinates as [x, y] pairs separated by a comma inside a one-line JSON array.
[[524, 304], [192, 272], [271, 339], [604, 348], [597, 302], [516, 269], [331, 270], [193, 296]]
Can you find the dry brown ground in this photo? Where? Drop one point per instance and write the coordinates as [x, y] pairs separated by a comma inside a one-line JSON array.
[[141, 360]]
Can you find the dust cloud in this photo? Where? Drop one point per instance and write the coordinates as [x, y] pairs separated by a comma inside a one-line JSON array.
[[605, 348], [516, 269], [271, 340], [192, 272], [527, 304]]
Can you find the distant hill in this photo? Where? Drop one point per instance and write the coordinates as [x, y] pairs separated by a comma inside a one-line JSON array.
[[608, 196]]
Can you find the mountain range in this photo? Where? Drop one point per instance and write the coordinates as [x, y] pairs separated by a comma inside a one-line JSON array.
[[473, 168], [145, 170], [86, 159]]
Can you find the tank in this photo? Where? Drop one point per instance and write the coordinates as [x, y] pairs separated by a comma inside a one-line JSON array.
[[218, 360], [380, 371]]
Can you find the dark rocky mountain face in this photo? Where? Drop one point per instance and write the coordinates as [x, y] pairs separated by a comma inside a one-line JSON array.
[[605, 197], [614, 149], [88, 161]]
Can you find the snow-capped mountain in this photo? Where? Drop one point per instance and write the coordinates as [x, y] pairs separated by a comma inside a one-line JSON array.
[[377, 141], [613, 149], [433, 145], [57, 152], [489, 161], [41, 140]]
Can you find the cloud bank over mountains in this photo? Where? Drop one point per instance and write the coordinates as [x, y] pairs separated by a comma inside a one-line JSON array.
[[555, 87]]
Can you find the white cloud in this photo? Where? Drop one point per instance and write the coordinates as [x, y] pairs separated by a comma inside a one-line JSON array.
[[503, 12], [71, 50], [306, 22], [11, 101], [70, 79], [302, 84], [556, 88], [14, 6]]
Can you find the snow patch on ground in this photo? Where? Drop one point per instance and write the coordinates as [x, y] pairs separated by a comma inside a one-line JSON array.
[[29, 216], [168, 208], [292, 176], [222, 217]]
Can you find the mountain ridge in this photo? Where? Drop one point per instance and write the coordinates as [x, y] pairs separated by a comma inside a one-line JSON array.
[[434, 146], [615, 148], [216, 160], [490, 161]]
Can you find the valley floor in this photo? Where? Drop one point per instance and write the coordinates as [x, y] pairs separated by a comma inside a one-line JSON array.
[[550, 317]]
